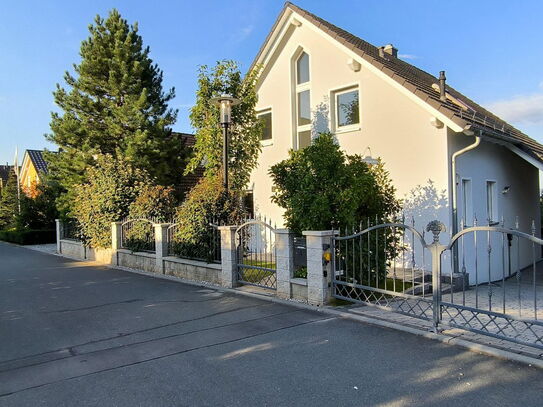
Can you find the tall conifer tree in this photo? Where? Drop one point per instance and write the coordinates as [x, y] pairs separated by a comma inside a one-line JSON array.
[[114, 104]]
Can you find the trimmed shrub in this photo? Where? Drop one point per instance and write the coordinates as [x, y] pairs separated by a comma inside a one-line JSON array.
[[206, 203], [113, 184], [321, 188], [28, 236]]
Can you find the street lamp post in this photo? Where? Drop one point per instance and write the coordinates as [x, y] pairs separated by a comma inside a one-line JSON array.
[[225, 102]]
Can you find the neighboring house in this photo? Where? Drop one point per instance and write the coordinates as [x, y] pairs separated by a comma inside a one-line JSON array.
[[33, 167], [317, 77], [4, 175]]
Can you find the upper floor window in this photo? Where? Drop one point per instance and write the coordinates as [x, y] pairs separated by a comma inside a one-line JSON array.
[[302, 69], [347, 108], [302, 101], [266, 118]]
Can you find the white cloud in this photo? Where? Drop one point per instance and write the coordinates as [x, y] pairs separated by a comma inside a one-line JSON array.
[[407, 56], [242, 33], [523, 109]]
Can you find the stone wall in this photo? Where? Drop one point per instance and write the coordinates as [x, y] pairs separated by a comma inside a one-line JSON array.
[[137, 260], [192, 270]]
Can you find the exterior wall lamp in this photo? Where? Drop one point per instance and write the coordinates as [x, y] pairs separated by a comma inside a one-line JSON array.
[[225, 103], [368, 159]]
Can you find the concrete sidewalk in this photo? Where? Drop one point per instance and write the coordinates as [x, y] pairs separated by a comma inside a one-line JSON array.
[[73, 333]]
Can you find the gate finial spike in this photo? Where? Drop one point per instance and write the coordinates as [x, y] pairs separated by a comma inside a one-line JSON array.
[[533, 227], [516, 223], [474, 219]]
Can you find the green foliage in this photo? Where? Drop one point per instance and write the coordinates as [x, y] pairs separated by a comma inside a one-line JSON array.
[[8, 203], [206, 203], [114, 104], [28, 236], [40, 212], [244, 145], [320, 187], [155, 203], [113, 184]]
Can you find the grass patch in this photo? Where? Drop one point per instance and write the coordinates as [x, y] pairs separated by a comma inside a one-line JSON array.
[[256, 276]]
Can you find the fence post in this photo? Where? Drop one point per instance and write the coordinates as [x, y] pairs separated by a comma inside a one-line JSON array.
[[284, 253], [436, 249], [229, 261], [116, 242], [58, 224], [161, 245], [319, 271]]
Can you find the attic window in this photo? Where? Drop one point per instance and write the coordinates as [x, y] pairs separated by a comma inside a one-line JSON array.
[[302, 69]]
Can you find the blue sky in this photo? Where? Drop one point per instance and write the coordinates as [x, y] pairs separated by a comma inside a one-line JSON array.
[[491, 50]]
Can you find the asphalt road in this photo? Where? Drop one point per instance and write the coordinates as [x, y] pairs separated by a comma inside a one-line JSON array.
[[76, 334]]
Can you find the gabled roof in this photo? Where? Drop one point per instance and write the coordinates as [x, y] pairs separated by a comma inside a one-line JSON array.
[[36, 156], [465, 112]]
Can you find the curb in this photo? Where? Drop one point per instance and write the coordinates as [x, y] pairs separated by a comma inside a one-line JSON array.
[[446, 339]]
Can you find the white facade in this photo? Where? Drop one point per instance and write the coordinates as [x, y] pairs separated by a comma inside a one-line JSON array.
[[415, 140]]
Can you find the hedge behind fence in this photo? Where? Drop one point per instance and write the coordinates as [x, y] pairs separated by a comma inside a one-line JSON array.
[[28, 236]]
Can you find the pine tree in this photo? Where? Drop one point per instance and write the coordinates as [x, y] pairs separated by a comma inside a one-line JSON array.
[[9, 203], [114, 104]]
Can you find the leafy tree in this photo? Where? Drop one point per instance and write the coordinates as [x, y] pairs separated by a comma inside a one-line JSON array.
[[320, 187], [9, 203], [112, 186], [39, 210], [245, 131], [115, 105]]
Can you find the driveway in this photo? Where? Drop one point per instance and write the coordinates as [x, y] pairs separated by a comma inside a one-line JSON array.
[[78, 334]]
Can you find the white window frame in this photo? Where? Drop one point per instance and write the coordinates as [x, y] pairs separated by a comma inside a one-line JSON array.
[[297, 90], [261, 112], [334, 93], [467, 201], [492, 203]]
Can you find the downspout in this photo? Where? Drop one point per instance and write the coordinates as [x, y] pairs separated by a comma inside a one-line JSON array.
[[455, 188]]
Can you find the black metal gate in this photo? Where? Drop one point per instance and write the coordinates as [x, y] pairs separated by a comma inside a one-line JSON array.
[[256, 254]]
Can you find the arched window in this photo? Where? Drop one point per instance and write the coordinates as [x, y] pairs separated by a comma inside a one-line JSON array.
[[302, 69], [303, 101]]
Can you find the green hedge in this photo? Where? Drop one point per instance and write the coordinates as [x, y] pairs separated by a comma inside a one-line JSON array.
[[28, 236]]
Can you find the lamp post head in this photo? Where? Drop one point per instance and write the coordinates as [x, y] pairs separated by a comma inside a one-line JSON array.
[[225, 102]]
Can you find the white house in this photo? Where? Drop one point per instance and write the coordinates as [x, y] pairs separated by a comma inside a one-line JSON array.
[[317, 77]]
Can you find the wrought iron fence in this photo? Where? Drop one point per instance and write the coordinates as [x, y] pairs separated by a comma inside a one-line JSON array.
[[138, 235], [300, 256], [70, 230], [493, 289], [496, 289], [256, 253], [382, 265], [205, 245]]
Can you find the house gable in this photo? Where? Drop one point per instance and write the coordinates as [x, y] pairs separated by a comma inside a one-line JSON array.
[[456, 111]]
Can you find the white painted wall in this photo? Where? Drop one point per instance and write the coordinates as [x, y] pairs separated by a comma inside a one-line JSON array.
[[492, 162], [397, 129], [392, 125]]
